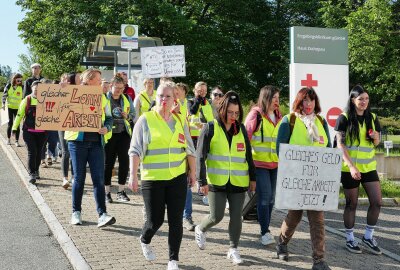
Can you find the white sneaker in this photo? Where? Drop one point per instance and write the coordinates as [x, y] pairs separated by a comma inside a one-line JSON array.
[[65, 184], [148, 251], [105, 220], [205, 200], [8, 142], [267, 239], [17, 144], [76, 218], [173, 265], [233, 254], [200, 237]]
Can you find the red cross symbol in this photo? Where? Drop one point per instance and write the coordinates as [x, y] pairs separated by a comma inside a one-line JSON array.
[[309, 82]]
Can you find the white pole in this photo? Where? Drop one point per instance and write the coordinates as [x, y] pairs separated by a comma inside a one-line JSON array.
[[129, 63]]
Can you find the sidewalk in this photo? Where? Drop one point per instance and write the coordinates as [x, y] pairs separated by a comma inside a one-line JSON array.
[[117, 246]]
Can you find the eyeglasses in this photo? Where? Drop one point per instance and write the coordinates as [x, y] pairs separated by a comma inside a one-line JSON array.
[[233, 113], [217, 94], [166, 96], [18, 80]]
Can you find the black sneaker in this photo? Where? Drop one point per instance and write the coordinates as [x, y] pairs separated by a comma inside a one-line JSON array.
[[282, 252], [32, 179], [353, 247], [108, 198], [121, 196], [372, 246], [322, 265]]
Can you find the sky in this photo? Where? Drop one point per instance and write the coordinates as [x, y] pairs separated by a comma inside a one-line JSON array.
[[11, 45]]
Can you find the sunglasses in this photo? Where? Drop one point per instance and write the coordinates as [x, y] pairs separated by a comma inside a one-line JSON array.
[[218, 94]]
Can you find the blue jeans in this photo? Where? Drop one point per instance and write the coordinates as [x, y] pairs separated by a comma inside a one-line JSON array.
[[265, 188], [52, 142], [82, 153], [187, 212]]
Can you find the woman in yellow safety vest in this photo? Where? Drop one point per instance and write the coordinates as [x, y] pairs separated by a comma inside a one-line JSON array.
[[262, 125], [12, 94], [161, 143], [357, 135], [88, 148], [144, 101], [225, 171], [119, 138], [33, 138], [304, 126]]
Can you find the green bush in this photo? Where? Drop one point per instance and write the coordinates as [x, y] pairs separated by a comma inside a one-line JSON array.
[[388, 188]]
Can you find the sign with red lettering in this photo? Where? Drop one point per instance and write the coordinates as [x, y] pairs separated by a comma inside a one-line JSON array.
[[73, 107], [332, 115]]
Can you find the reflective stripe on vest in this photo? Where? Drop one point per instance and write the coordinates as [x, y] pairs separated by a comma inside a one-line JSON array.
[[126, 108], [300, 135], [14, 97], [265, 150], [165, 157], [227, 163], [363, 155], [195, 118], [145, 101]]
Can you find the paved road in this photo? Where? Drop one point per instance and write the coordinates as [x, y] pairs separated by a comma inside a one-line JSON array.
[[26, 242]]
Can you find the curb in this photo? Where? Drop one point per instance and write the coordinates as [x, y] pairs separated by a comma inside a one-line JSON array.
[[343, 235], [67, 245], [364, 201]]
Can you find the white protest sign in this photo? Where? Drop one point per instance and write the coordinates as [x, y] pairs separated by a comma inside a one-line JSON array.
[[163, 61], [308, 178], [4, 115]]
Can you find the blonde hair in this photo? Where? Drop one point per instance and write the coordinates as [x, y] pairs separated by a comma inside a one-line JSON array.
[[89, 74], [198, 84]]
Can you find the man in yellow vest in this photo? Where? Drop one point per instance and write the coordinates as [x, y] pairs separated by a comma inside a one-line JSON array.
[[13, 96]]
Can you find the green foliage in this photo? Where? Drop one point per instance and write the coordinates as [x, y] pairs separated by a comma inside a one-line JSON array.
[[390, 125], [388, 189]]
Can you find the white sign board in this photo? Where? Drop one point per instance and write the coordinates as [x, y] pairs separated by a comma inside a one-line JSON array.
[[163, 61], [129, 36], [388, 144], [308, 178], [4, 115]]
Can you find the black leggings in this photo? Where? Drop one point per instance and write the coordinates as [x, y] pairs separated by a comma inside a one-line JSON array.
[[12, 113], [172, 195], [34, 142], [373, 190], [118, 145]]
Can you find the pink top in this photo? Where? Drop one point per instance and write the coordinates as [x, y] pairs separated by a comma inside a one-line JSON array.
[[251, 124]]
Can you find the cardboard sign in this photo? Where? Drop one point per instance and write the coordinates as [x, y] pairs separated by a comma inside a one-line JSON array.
[[163, 61], [308, 178], [73, 108]]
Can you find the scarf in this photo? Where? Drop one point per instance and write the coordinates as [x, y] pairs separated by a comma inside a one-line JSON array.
[[309, 122]]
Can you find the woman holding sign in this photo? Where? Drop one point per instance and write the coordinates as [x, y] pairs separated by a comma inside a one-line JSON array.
[[161, 142], [88, 147], [33, 138], [225, 171], [304, 126], [262, 124], [357, 135]]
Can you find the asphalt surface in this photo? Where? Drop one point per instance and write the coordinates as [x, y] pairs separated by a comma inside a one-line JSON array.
[[26, 241]]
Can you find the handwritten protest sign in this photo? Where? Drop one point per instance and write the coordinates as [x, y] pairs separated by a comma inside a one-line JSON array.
[[308, 178], [73, 108], [163, 61]]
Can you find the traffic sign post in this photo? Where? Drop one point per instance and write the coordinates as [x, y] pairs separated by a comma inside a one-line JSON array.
[[129, 41], [332, 115], [388, 145]]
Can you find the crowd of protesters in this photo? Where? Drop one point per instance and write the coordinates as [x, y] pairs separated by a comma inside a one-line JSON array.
[[174, 141]]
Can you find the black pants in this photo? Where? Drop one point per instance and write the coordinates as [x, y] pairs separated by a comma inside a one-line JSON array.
[[34, 143], [172, 195], [12, 113], [118, 145]]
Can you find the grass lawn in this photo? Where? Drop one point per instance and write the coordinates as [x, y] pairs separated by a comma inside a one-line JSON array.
[[394, 138], [389, 190]]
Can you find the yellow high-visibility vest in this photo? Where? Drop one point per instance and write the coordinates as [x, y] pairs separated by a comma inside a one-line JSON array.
[[145, 101], [299, 134], [264, 148], [126, 108], [195, 118], [14, 97], [165, 157], [227, 163], [362, 155]]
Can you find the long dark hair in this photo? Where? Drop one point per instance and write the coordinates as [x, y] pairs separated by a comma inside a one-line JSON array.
[[353, 130], [231, 97], [265, 97]]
